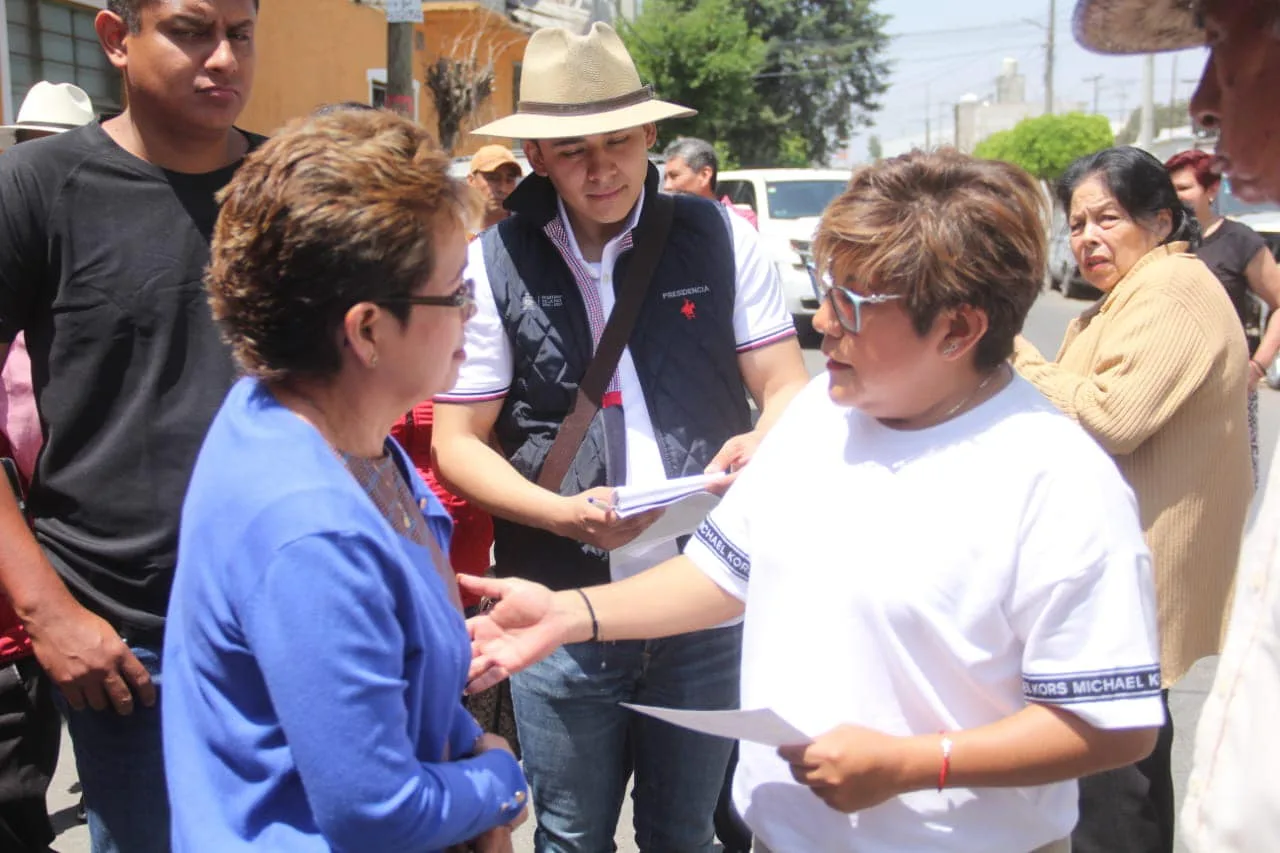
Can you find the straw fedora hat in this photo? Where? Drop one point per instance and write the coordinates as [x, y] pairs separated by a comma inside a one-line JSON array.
[[51, 108], [573, 85], [1137, 26]]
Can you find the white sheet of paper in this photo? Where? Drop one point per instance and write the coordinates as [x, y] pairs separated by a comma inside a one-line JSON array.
[[760, 725], [678, 519]]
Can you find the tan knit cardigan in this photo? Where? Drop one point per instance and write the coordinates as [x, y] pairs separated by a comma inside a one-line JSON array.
[[1157, 372]]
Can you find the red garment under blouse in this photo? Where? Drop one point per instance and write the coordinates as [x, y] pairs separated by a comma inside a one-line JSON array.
[[472, 527]]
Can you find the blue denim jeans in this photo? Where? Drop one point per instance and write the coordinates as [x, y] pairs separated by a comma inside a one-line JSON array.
[[121, 767], [580, 746]]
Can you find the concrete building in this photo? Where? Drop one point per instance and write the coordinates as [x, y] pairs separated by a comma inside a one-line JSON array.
[[310, 52], [977, 118]]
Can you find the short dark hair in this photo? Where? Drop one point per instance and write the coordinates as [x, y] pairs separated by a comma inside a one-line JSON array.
[[1140, 184], [130, 11], [943, 229], [333, 211], [698, 153]]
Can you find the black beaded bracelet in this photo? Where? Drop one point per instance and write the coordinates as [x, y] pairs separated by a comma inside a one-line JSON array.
[[595, 626]]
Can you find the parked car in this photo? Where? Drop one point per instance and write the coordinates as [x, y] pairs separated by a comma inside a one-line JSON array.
[[787, 204], [1063, 273]]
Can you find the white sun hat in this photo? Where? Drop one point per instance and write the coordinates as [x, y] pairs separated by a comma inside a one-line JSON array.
[[51, 108], [572, 85]]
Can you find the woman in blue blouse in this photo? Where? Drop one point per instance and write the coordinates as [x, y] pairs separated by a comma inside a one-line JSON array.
[[315, 653]]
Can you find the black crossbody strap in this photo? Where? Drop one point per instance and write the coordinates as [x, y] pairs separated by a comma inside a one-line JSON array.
[[650, 239]]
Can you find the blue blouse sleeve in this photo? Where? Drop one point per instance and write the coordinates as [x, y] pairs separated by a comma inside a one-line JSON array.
[[323, 628]]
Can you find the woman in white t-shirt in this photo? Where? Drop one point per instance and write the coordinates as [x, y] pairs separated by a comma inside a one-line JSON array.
[[943, 579]]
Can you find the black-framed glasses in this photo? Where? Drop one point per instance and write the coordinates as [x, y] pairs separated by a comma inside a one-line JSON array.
[[846, 303], [464, 297]]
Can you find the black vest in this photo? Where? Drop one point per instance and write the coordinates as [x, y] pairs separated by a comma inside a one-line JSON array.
[[683, 346]]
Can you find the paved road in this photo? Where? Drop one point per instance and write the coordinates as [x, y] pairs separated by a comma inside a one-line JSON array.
[[1044, 327]]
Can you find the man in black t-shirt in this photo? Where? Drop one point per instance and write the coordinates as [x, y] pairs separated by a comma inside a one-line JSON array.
[[104, 236]]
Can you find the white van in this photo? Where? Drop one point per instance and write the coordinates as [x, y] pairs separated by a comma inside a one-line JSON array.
[[787, 204]]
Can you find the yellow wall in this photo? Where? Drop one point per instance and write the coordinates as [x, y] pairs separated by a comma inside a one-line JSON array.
[[450, 29], [313, 52]]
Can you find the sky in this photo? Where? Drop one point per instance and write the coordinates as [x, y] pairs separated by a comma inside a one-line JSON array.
[[943, 49]]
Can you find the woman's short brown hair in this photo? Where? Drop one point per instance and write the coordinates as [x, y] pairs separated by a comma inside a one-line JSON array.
[[335, 210], [944, 229]]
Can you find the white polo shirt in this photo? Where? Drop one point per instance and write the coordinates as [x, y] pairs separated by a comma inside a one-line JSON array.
[[760, 318], [920, 581]]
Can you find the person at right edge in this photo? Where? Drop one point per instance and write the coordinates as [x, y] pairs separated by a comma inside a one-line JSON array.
[[104, 237], [1231, 804], [707, 332], [1157, 372], [1241, 260]]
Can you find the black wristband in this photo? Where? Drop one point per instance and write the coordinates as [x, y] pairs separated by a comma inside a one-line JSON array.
[[595, 626]]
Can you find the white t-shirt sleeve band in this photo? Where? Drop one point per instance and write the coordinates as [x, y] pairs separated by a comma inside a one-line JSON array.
[[727, 565], [734, 559], [457, 396], [1071, 688], [779, 334]]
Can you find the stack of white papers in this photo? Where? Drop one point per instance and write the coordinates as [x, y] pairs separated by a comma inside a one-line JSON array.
[[684, 501], [633, 500]]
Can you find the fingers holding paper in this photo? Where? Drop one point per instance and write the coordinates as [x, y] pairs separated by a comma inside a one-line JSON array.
[[849, 768], [731, 459], [590, 518]]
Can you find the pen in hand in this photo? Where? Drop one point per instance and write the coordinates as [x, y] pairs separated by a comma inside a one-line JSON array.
[[607, 507]]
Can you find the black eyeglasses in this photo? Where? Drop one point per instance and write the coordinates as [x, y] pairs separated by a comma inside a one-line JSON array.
[[464, 297], [847, 304]]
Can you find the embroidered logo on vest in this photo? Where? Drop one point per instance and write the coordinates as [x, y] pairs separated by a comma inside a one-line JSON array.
[[696, 290], [689, 310]]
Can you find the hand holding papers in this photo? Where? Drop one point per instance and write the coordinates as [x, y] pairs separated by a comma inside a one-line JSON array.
[[757, 726], [686, 501]]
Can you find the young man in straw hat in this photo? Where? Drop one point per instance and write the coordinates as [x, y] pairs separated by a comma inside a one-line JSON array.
[[104, 237], [1231, 805], [29, 724], [707, 332]]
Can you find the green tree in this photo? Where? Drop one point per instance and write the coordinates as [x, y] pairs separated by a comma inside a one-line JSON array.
[[702, 55], [822, 79], [874, 149], [1046, 145]]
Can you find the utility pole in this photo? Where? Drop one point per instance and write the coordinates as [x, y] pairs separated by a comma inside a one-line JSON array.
[[1173, 94], [403, 16], [1048, 60], [928, 134], [1096, 80], [1146, 129]]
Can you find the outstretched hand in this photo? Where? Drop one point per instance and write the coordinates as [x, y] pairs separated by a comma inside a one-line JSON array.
[[523, 627]]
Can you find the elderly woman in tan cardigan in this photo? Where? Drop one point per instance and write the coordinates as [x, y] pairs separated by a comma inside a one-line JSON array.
[[1157, 371]]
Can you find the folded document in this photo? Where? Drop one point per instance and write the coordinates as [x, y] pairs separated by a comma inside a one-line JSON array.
[[633, 500]]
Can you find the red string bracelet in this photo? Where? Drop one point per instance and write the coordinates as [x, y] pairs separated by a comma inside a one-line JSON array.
[[946, 761]]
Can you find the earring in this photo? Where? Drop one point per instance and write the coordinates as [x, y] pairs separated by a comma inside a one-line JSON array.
[[373, 360], [950, 349]]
